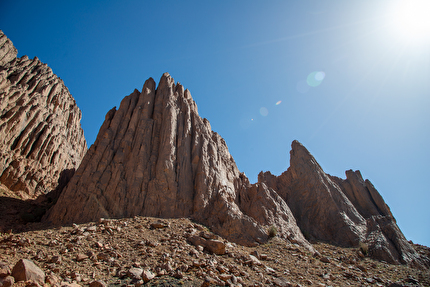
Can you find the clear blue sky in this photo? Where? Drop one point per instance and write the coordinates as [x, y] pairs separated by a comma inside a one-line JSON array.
[[352, 81]]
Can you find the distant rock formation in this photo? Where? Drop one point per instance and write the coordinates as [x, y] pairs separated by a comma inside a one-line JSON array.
[[343, 212], [41, 139]]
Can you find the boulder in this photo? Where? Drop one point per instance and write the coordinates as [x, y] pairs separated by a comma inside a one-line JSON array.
[[25, 270]]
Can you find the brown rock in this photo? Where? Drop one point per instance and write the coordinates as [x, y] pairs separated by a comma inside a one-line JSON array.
[[81, 257], [25, 270], [215, 246], [282, 282], [4, 268], [147, 275], [98, 283], [154, 142], [7, 281], [343, 212], [7, 51], [135, 273], [41, 139], [51, 279]]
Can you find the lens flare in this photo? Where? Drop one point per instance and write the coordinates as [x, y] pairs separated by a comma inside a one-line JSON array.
[[315, 79], [278, 103]]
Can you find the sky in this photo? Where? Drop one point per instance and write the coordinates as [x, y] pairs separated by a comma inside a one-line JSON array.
[[350, 80]]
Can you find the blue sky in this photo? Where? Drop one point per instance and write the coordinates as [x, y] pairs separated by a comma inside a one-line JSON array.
[[342, 77]]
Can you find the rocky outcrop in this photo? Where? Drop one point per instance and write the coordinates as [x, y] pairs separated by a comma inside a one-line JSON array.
[[41, 139], [155, 156], [344, 212]]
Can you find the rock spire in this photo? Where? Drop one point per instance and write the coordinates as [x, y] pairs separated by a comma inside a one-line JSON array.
[[347, 212], [155, 156], [41, 139]]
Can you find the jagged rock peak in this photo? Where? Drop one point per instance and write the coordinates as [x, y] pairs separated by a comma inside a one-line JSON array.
[[41, 139], [155, 156], [8, 52], [346, 212]]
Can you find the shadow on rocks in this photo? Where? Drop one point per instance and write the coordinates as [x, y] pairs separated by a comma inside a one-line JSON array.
[[19, 215]]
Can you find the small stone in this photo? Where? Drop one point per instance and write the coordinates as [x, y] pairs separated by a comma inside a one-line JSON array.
[[147, 275], [208, 281], [7, 281], [256, 254], [282, 282], [270, 270], [225, 277], [325, 259], [253, 261], [4, 269], [159, 224], [81, 257], [215, 246], [98, 283], [91, 228], [135, 273], [56, 259], [51, 279]]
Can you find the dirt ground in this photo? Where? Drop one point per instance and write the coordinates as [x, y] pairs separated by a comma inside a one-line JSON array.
[[111, 250]]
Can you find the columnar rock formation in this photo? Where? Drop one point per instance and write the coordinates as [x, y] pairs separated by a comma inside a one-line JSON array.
[[155, 156], [40, 133]]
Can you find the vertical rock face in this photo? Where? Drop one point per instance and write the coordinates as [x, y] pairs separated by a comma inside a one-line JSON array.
[[343, 212], [40, 133], [155, 156]]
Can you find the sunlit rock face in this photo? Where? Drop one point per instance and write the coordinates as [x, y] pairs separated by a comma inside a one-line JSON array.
[[155, 156], [346, 212], [41, 139]]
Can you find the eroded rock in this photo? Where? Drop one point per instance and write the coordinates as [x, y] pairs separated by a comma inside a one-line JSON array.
[[41, 139]]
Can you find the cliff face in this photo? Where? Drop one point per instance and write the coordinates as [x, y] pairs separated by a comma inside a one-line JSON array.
[[41, 138]]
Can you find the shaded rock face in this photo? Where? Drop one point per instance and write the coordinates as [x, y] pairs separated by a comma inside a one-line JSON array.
[[40, 131], [345, 212], [155, 156]]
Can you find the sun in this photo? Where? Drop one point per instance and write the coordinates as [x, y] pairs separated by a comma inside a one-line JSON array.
[[409, 20]]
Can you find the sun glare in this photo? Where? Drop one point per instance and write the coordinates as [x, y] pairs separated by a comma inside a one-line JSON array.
[[410, 21]]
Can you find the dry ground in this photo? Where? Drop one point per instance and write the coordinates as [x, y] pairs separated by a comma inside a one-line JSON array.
[[109, 249]]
